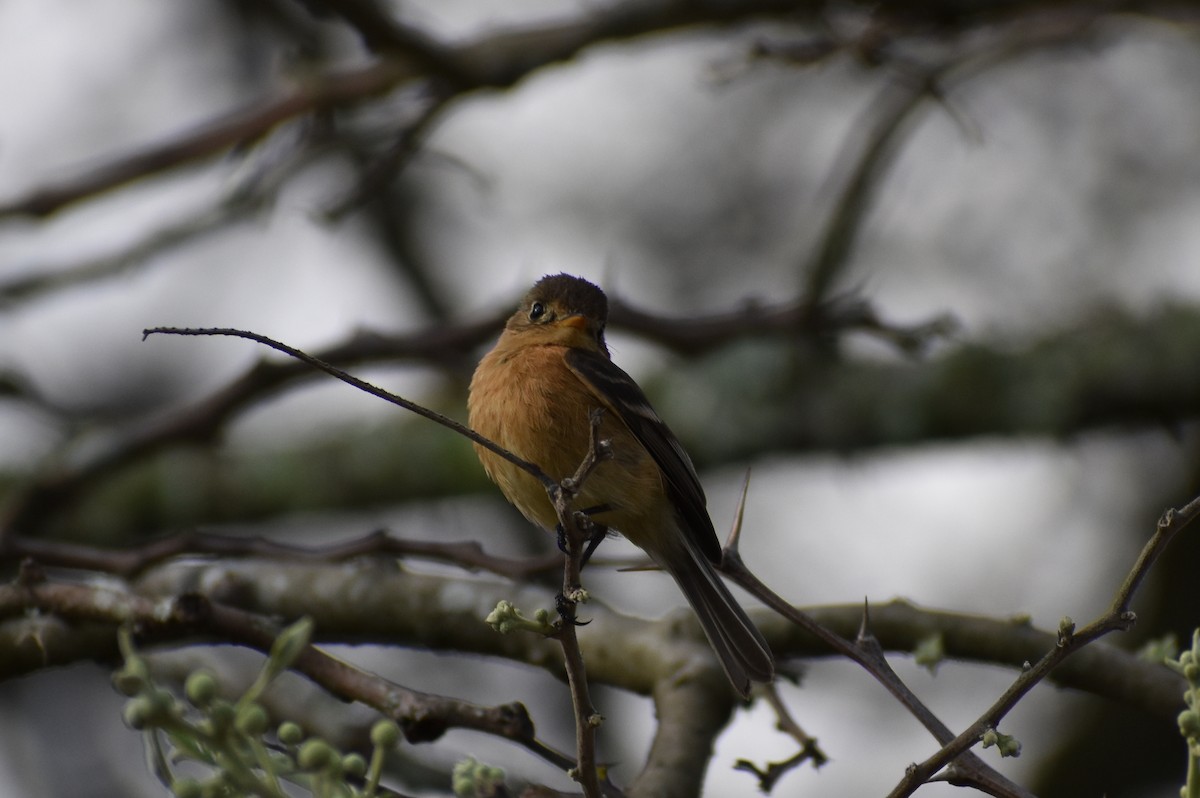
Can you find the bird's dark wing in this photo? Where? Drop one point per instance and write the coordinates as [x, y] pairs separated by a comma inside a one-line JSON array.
[[625, 399]]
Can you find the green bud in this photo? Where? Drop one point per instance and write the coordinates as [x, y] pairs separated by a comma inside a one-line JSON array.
[[501, 617], [385, 734], [315, 754], [471, 777], [252, 720], [1066, 629], [127, 684], [506, 618], [139, 712], [930, 652], [1191, 672], [290, 733], [354, 765], [1189, 723], [1010, 746], [1006, 744], [200, 688]]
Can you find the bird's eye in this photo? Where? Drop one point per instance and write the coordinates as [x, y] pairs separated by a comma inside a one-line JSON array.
[[536, 311]]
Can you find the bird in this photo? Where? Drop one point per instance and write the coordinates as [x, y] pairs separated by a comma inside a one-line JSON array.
[[534, 394]]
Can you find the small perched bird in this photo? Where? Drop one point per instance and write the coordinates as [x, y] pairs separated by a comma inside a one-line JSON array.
[[533, 394]]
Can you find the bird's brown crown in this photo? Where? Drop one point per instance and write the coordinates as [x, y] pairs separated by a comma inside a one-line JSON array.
[[571, 295]]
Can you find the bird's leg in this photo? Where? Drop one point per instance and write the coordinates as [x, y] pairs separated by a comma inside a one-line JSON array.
[[590, 534], [595, 532]]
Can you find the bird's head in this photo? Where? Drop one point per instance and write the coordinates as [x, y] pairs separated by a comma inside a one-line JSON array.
[[562, 309]]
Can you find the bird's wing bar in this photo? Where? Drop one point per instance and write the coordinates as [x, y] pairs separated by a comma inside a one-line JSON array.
[[622, 396]]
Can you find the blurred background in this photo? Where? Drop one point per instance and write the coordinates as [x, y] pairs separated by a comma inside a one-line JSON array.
[[986, 219]]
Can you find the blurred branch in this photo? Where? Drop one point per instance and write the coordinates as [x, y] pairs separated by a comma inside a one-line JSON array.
[[423, 717], [407, 608], [1093, 376], [384, 202], [699, 334], [41, 279], [690, 713], [498, 59], [201, 422], [253, 192], [891, 115], [129, 562], [236, 128]]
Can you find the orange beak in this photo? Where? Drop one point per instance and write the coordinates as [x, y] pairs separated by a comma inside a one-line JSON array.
[[577, 320]]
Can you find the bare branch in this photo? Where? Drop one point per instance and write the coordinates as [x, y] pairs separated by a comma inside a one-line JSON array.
[[367, 387]]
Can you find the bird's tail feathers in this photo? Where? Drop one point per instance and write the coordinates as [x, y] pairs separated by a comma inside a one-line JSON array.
[[739, 645]]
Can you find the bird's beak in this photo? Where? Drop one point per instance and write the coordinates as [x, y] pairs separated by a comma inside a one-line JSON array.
[[576, 320]]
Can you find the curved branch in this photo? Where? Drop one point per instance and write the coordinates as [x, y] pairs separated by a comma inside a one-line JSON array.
[[404, 608]]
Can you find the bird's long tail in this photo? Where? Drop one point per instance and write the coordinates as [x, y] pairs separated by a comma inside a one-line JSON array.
[[739, 645]]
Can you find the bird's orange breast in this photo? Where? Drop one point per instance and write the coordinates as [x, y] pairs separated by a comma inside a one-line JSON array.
[[527, 400]]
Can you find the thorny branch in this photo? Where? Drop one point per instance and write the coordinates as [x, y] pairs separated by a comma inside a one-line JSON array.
[[1118, 617], [865, 651], [965, 767], [578, 531]]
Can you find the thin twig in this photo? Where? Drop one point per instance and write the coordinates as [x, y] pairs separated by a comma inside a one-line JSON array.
[[366, 387], [809, 750]]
